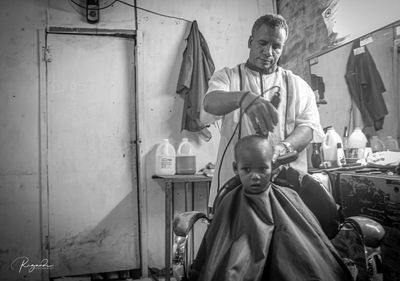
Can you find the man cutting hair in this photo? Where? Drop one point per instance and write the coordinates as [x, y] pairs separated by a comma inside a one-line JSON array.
[[260, 97]]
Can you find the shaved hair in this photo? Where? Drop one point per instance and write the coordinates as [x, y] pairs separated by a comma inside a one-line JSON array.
[[249, 141]]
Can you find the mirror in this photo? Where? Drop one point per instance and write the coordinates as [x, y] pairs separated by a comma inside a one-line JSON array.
[[347, 20], [337, 97]]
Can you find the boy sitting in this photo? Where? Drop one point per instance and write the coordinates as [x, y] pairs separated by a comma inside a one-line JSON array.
[[263, 231]]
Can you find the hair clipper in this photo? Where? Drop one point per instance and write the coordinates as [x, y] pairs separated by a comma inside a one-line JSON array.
[[276, 99]]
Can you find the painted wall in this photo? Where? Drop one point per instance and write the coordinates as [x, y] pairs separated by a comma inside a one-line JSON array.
[[225, 25], [19, 135]]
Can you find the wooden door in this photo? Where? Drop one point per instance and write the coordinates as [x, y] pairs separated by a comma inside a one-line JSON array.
[[92, 181]]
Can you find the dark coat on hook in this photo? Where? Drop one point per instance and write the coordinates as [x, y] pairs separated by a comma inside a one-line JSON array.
[[196, 69], [366, 86]]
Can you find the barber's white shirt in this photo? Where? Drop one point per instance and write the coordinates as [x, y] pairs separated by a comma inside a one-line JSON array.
[[300, 109]]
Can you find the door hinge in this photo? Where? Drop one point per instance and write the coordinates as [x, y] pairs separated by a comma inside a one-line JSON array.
[[46, 54], [47, 243]]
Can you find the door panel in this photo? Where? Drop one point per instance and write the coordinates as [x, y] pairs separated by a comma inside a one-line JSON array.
[[93, 210]]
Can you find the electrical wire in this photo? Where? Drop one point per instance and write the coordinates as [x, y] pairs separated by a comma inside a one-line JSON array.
[[152, 12], [133, 6], [238, 126]]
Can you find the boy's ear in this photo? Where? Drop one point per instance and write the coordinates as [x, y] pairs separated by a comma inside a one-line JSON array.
[[235, 168]]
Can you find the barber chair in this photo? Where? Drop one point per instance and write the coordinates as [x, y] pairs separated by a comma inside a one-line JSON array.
[[357, 239]]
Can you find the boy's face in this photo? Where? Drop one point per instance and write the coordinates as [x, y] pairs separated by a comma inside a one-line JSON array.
[[254, 168]]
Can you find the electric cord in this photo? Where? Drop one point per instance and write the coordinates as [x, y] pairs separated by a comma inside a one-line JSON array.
[[133, 6], [152, 12], [275, 101]]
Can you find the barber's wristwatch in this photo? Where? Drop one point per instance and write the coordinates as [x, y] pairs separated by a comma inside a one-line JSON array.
[[288, 146]]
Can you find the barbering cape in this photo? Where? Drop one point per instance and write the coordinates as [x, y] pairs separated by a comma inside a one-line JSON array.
[[196, 69], [268, 236]]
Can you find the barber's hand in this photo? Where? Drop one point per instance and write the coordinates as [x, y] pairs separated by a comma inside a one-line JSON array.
[[263, 115], [279, 150]]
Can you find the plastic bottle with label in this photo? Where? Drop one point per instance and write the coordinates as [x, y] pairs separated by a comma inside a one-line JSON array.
[[185, 158], [356, 144], [341, 159], [391, 144], [329, 146], [165, 159], [368, 150], [377, 144]]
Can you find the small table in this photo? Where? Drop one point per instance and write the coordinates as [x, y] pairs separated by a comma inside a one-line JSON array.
[[169, 182]]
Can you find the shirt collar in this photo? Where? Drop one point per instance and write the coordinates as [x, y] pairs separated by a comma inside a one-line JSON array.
[[253, 67]]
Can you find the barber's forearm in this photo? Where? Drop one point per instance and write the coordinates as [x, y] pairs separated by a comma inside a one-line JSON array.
[[221, 102], [300, 138]]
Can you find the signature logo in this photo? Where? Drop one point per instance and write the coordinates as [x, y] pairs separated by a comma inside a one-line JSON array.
[[21, 263]]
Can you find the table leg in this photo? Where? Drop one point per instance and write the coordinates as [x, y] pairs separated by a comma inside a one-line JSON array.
[[192, 240], [168, 211], [186, 194], [186, 209]]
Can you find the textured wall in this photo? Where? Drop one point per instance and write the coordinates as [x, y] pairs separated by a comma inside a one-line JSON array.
[[308, 34], [19, 136], [226, 26]]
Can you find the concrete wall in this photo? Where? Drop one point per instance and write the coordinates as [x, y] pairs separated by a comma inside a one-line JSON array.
[[19, 135], [225, 25]]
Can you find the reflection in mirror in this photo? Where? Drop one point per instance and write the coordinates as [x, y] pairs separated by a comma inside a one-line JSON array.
[[369, 97], [347, 20]]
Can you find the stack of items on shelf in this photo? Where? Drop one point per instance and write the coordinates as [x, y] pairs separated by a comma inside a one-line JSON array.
[[354, 150], [171, 162]]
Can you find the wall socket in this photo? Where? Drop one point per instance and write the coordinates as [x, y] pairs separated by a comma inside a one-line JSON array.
[[92, 11]]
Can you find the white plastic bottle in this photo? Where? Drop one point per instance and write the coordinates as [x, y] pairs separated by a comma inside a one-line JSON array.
[[165, 159], [357, 143], [341, 159], [391, 144], [329, 146], [185, 158], [377, 144], [357, 139]]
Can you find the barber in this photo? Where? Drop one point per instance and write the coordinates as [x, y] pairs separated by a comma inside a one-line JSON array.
[[242, 98]]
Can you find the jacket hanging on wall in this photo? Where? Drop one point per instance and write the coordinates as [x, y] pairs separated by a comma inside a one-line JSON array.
[[366, 86], [196, 69]]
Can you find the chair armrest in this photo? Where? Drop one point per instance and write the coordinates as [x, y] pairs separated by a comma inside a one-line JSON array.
[[370, 230], [184, 222], [182, 225]]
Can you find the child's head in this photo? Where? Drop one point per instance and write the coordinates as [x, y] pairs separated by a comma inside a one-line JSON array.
[[253, 161]]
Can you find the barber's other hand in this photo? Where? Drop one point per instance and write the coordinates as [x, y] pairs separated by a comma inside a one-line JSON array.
[[263, 115], [279, 150]]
